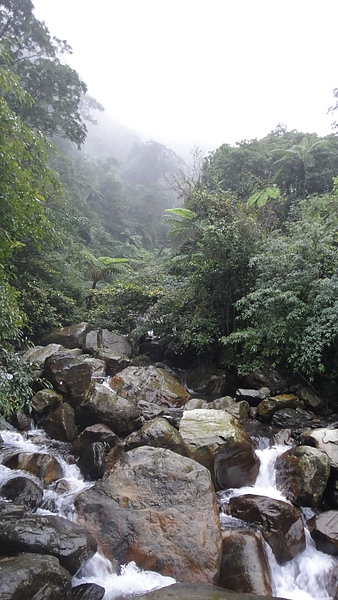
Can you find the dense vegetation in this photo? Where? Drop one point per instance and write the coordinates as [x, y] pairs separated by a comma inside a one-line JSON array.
[[235, 260]]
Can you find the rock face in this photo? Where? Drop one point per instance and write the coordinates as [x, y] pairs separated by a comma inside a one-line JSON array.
[[151, 384], [302, 473], [158, 509], [324, 530], [33, 576], [244, 566], [216, 440], [70, 543], [280, 523]]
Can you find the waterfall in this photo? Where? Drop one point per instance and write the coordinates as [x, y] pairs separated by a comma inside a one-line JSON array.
[[309, 575]]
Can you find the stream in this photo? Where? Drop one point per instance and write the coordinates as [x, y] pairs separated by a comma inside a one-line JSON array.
[[306, 577]]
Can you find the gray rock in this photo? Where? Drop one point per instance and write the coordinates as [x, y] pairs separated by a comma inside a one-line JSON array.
[[22, 490], [157, 433], [69, 375], [70, 337], [180, 591]]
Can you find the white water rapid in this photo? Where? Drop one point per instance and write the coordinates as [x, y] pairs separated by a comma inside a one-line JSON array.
[[306, 577], [58, 499]]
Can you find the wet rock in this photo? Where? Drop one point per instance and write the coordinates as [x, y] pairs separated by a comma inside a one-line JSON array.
[[44, 466], [92, 461], [22, 490], [103, 405], [180, 591], [70, 543], [32, 576], [280, 523], [324, 531], [88, 591], [267, 408], [159, 434], [158, 509], [152, 384], [60, 424], [302, 473], [292, 418], [244, 565], [216, 440], [95, 433], [39, 354], [70, 337], [45, 401], [68, 374], [21, 421]]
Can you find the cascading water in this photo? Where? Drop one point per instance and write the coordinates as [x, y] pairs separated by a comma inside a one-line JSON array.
[[58, 499], [309, 575]]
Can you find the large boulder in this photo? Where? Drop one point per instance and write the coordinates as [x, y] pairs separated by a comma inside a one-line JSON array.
[[104, 405], [69, 337], [107, 341], [324, 530], [267, 407], [22, 490], [151, 384], [159, 434], [38, 354], [181, 591], [244, 565], [280, 523], [33, 577], [216, 440], [292, 418], [158, 509], [69, 374], [45, 401], [70, 543], [325, 439], [205, 378], [60, 423], [302, 474]]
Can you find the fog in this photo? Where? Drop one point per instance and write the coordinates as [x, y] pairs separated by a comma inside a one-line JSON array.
[[197, 72]]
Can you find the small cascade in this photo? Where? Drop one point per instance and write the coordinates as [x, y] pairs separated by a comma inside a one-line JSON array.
[[311, 574], [58, 498]]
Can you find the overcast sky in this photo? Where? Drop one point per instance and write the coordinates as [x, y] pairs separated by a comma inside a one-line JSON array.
[[204, 72]]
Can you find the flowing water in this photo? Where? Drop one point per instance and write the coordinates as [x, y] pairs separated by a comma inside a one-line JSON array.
[[309, 576], [306, 577]]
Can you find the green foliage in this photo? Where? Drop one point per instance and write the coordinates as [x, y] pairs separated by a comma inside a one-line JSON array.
[[16, 379], [261, 197], [291, 315]]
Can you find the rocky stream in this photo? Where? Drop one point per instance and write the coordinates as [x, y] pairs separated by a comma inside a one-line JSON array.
[[123, 482]]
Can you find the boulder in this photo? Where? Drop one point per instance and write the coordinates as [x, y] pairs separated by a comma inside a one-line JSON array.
[[70, 543], [95, 433], [69, 375], [92, 461], [44, 466], [280, 523], [88, 591], [324, 531], [253, 397], [292, 418], [114, 363], [105, 340], [33, 577], [268, 377], [22, 490], [152, 384], [267, 408], [324, 439], [38, 354], [311, 400], [157, 433], [302, 474], [103, 405], [97, 366], [60, 424], [180, 591], [216, 440], [195, 403], [244, 564], [45, 401], [158, 509], [70, 337]]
